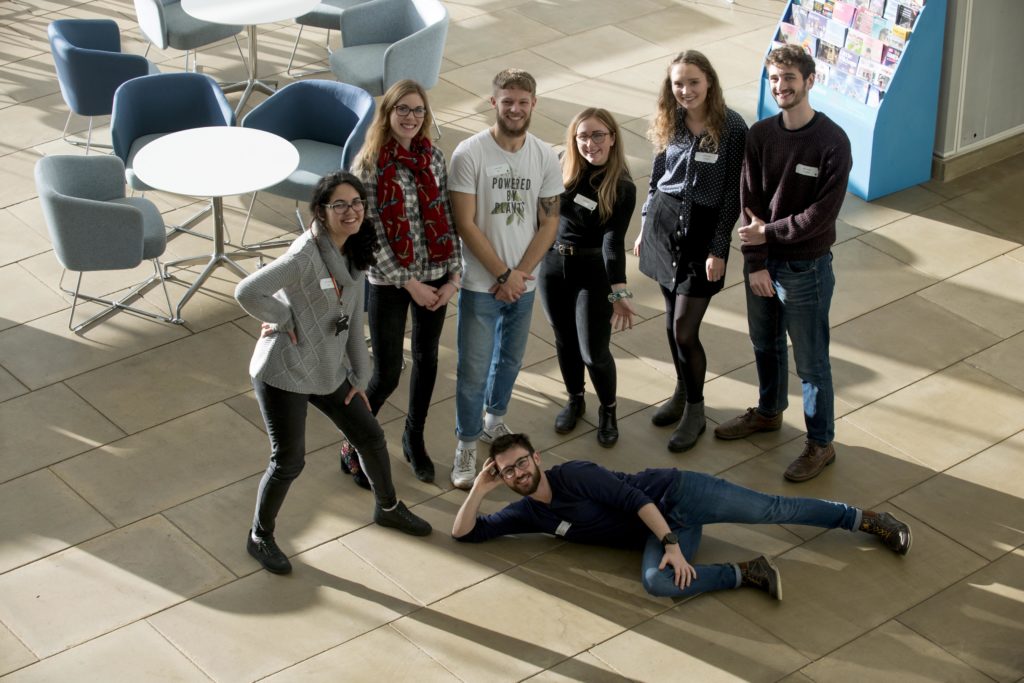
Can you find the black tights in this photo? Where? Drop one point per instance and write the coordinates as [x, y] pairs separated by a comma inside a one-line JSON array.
[[683, 315]]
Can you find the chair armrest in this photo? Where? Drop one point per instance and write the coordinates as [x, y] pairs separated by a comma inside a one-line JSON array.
[[417, 56], [373, 22], [93, 235]]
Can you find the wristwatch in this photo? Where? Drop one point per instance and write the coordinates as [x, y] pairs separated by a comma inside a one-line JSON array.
[[670, 539], [503, 278]]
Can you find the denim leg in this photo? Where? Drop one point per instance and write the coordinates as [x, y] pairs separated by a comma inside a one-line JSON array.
[[512, 333], [284, 413], [703, 499], [363, 431], [387, 307], [426, 336], [477, 322], [710, 577], [766, 323], [805, 290]]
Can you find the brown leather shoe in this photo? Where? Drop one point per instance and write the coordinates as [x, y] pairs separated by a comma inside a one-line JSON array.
[[750, 422], [811, 462]]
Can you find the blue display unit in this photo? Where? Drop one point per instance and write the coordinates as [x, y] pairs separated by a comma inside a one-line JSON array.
[[892, 144]]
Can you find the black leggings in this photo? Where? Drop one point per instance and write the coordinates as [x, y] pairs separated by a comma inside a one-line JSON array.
[[574, 291], [683, 315]]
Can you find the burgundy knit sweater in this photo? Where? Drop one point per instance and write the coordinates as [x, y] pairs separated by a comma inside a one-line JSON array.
[[795, 181]]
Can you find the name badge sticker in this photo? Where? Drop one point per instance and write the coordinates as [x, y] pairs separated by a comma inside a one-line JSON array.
[[706, 157], [497, 169], [586, 202], [809, 171], [563, 528], [326, 283]]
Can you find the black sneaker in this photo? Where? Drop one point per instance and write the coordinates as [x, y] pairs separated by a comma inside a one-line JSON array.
[[761, 573], [267, 553], [894, 534], [401, 518]]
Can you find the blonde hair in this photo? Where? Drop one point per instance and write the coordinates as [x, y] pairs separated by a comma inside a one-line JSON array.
[[379, 132], [663, 127], [574, 165]]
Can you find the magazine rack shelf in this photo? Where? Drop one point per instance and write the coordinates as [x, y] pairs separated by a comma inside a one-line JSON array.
[[892, 143]]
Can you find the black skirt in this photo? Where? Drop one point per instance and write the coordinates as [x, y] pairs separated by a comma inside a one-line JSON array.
[[676, 243]]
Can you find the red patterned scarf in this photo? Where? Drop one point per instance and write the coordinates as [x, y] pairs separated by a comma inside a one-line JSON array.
[[391, 201]]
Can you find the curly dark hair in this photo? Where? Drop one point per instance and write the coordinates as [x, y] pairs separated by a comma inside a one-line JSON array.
[[359, 248], [507, 442]]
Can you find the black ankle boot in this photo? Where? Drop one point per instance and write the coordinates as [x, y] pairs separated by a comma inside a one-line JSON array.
[[416, 455], [607, 426], [671, 410], [565, 422]]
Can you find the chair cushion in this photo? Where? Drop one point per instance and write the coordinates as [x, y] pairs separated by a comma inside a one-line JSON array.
[[362, 66], [327, 14], [316, 159], [154, 234], [185, 32], [133, 180]]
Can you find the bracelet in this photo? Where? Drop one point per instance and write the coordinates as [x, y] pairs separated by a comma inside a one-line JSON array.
[[620, 294]]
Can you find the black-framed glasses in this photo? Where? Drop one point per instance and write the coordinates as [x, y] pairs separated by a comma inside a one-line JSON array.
[[341, 206], [522, 465], [405, 110], [598, 137]]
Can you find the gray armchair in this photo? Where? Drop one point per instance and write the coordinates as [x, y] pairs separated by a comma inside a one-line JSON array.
[[165, 24], [325, 15], [93, 226]]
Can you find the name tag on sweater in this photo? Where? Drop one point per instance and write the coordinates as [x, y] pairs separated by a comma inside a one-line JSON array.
[[497, 169], [586, 202], [563, 528], [809, 171], [326, 283], [706, 157]]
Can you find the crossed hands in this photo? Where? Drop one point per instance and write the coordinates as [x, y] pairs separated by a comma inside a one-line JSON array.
[[514, 287]]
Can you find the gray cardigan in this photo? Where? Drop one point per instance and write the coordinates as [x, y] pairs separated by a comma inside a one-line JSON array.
[[295, 293]]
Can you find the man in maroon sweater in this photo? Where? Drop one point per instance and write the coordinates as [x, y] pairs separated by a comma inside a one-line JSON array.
[[793, 184]]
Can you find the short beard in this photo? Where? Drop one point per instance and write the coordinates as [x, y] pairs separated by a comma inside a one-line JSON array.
[[532, 486], [505, 130]]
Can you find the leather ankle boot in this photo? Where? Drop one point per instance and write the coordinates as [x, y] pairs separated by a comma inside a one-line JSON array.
[[607, 426], [762, 574], [691, 425], [671, 410], [565, 422], [415, 452]]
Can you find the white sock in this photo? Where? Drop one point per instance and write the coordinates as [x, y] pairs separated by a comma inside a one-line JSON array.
[[492, 421], [390, 508], [464, 445]]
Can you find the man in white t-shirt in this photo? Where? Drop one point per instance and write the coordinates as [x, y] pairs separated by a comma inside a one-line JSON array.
[[505, 186]]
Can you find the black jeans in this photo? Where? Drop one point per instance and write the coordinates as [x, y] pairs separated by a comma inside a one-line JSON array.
[[284, 413], [388, 307], [574, 291]]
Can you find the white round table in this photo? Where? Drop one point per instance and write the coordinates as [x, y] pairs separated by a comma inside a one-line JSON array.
[[215, 162], [248, 13]]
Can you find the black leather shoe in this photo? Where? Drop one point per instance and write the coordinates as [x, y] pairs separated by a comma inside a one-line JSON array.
[[607, 426], [267, 553], [565, 422], [401, 518], [416, 455]]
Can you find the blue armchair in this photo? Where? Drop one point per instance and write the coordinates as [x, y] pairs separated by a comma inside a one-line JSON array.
[[93, 226], [90, 67]]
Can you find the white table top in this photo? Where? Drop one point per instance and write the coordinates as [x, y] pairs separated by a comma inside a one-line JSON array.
[[216, 161], [247, 12]]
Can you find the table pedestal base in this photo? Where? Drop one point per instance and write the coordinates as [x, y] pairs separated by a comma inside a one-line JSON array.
[[254, 82]]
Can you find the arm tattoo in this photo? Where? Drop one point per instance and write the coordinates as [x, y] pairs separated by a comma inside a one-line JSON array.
[[549, 206]]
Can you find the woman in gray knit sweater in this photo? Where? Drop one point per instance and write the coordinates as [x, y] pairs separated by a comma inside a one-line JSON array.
[[311, 351]]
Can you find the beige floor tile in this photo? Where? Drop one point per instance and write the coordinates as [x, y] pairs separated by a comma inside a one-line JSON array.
[[166, 465], [693, 26], [938, 242], [737, 61], [472, 40], [135, 652], [34, 299], [896, 345], [13, 654], [947, 417], [979, 502], [478, 77], [1003, 361], [582, 667], [587, 52], [511, 626], [17, 182], [841, 585], [46, 269], [19, 241], [893, 652], [40, 515], [47, 426], [102, 584], [867, 278], [15, 46], [893, 207], [30, 82], [990, 295], [152, 387], [360, 659], [627, 94], [9, 386], [579, 16], [979, 619], [30, 213], [235, 632], [995, 205], [320, 431], [702, 639]]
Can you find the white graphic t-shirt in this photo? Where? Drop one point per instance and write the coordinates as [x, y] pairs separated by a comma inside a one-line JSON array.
[[507, 186]]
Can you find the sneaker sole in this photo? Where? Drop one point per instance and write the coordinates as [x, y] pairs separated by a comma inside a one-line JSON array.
[[778, 580], [461, 487], [813, 474]]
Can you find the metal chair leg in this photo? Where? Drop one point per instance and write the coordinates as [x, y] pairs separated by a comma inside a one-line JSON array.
[[80, 143], [279, 242], [119, 304], [295, 47]]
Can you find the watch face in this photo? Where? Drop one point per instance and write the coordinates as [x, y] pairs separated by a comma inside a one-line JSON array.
[[669, 539]]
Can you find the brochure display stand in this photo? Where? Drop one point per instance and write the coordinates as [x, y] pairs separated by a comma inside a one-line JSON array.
[[892, 133]]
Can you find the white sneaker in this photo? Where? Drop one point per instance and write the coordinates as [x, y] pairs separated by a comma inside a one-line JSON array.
[[489, 435], [464, 468]]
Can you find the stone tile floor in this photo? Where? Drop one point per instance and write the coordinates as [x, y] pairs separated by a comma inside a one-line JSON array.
[[129, 454]]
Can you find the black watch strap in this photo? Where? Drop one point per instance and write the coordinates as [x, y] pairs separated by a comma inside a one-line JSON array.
[[670, 539], [503, 278]]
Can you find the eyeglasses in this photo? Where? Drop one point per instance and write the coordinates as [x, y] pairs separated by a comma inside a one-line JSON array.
[[340, 207], [522, 464], [404, 110], [597, 136]]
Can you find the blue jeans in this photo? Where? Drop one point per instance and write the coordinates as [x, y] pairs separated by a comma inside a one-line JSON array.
[[491, 341], [697, 499], [803, 295]]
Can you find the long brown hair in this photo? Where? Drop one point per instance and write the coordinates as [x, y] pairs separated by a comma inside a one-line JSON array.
[[663, 127], [380, 129], [574, 165]]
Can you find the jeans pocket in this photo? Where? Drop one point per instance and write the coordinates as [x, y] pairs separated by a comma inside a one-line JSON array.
[[800, 266]]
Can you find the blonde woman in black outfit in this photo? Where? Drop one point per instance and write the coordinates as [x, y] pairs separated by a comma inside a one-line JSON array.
[[583, 277], [691, 208]]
